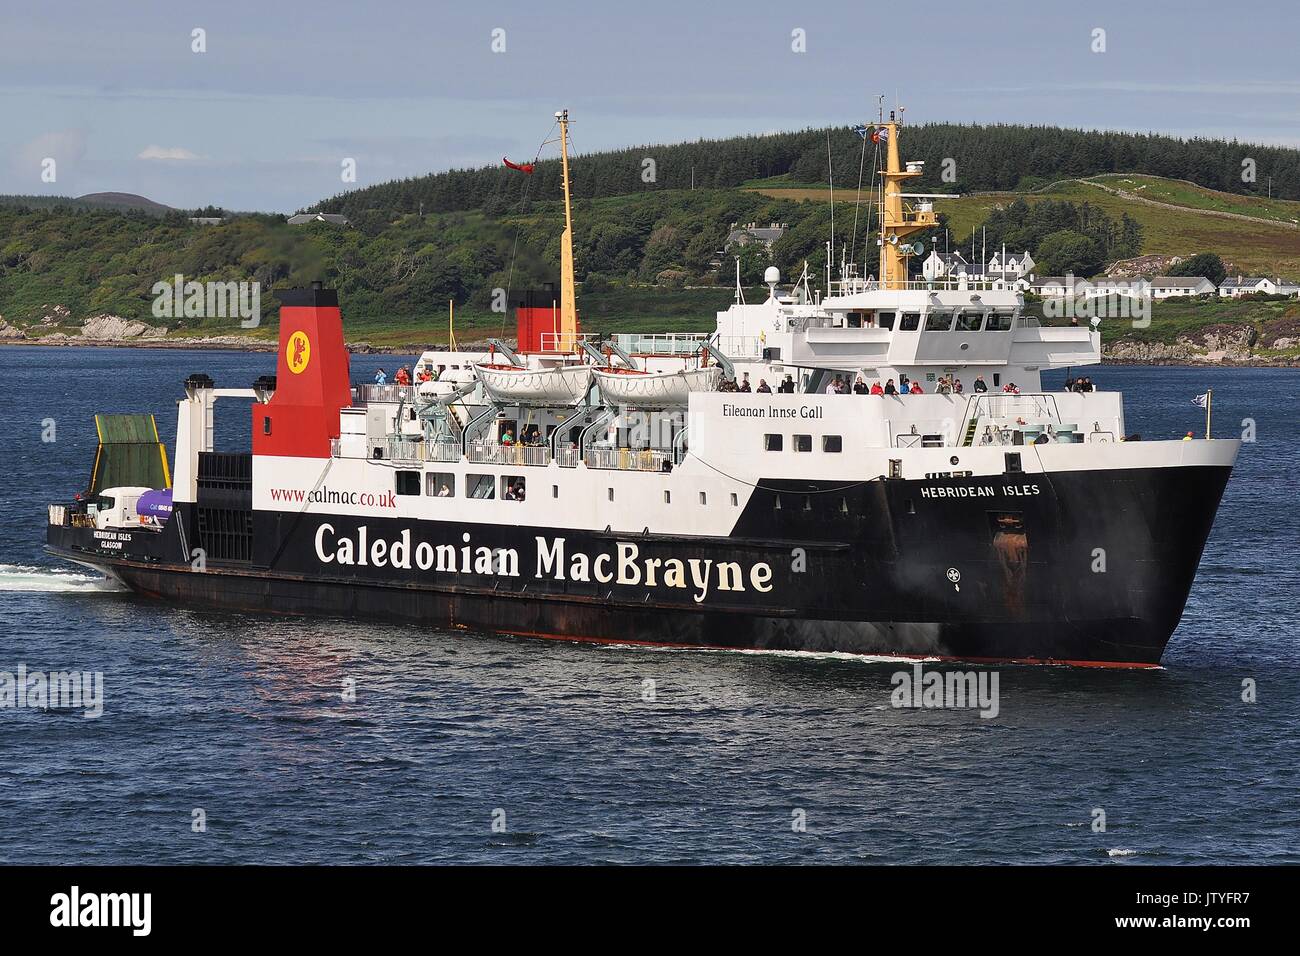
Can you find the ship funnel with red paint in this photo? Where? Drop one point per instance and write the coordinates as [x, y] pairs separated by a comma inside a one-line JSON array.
[[312, 378]]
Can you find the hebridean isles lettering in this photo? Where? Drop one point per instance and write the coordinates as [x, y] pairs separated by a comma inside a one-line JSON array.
[[979, 491]]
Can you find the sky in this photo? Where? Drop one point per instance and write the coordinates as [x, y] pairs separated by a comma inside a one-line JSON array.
[[283, 92]]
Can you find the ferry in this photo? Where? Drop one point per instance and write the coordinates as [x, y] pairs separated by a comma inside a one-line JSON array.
[[766, 486]]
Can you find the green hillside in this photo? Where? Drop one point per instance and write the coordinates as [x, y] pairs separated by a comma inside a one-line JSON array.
[[1264, 241], [647, 257], [978, 157]]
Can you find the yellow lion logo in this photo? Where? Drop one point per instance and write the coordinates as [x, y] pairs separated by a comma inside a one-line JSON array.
[[298, 352]]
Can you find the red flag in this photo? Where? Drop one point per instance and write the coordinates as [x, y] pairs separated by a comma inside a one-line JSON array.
[[522, 167]]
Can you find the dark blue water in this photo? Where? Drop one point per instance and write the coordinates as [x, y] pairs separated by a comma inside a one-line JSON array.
[[242, 716]]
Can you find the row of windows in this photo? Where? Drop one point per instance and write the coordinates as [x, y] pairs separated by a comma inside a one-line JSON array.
[[438, 484], [833, 444], [962, 320]]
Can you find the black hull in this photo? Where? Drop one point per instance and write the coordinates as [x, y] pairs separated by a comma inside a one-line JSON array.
[[868, 570]]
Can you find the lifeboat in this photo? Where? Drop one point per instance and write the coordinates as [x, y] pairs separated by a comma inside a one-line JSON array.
[[510, 384], [628, 386]]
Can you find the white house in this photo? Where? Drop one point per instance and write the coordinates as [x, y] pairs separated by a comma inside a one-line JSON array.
[[942, 265], [1247, 285], [1055, 286], [1169, 287], [1013, 268]]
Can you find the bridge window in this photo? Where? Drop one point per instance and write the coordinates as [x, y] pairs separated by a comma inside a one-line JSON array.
[[885, 319], [803, 442], [833, 443], [910, 322], [773, 442], [998, 322], [407, 482], [440, 484], [938, 321], [968, 321]]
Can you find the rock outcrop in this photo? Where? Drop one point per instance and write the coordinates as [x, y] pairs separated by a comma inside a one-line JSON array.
[[114, 328]]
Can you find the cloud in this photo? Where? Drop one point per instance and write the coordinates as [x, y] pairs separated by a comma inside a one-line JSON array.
[[166, 152], [67, 145]]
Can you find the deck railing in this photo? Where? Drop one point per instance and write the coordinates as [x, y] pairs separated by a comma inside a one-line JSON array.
[[399, 450], [492, 453], [384, 393], [629, 459]]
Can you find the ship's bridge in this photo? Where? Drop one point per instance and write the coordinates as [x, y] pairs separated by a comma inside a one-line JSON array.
[[906, 328]]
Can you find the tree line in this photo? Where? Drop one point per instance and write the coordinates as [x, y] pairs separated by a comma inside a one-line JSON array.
[[957, 158]]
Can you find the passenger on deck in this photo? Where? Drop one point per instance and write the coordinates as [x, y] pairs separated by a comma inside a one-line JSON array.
[[957, 387], [381, 377], [944, 386], [1011, 388], [916, 389], [402, 377], [876, 389], [507, 437], [903, 385], [744, 383], [889, 387], [728, 385], [763, 387], [787, 386], [860, 387], [424, 376], [834, 386], [979, 384]]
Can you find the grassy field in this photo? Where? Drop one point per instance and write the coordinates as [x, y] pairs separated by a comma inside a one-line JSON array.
[[1266, 247], [1198, 197]]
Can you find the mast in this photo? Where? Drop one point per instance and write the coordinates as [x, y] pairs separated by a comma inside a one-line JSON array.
[[568, 330], [896, 222]]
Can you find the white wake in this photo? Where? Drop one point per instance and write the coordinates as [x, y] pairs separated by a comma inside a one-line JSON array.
[[18, 577]]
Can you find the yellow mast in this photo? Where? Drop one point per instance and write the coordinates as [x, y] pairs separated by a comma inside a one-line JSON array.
[[568, 337], [896, 222]]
